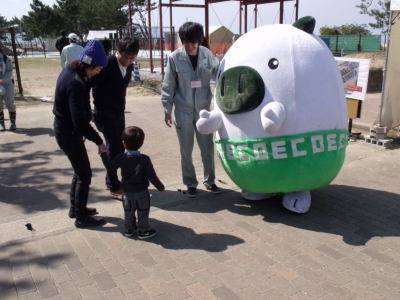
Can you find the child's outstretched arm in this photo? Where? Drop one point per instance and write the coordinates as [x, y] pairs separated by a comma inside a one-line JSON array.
[[111, 165]]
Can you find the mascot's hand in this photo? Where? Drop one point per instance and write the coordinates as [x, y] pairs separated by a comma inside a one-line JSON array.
[[209, 122], [272, 117]]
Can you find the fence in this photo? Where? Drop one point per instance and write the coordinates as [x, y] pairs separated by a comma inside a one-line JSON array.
[[353, 43]]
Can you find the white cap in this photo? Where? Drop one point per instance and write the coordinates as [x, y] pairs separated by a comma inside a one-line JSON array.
[[73, 36], [2, 90]]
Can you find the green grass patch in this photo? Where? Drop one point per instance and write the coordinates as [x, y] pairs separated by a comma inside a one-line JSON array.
[[52, 64]]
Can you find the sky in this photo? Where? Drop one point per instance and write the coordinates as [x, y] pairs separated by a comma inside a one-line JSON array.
[[326, 13]]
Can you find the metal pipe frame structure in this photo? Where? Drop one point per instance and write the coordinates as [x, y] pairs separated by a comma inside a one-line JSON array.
[[205, 6]]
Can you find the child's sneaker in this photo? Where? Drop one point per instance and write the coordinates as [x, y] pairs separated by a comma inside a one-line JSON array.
[[130, 232], [147, 234]]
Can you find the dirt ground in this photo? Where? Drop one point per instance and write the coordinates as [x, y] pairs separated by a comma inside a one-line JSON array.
[[377, 59], [38, 85], [39, 82]]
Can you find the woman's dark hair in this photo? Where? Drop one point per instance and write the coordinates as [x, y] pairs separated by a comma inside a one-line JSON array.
[[128, 45], [191, 32], [80, 67], [133, 137]]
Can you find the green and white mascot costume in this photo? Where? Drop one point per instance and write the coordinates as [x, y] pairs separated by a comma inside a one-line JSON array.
[[280, 114]]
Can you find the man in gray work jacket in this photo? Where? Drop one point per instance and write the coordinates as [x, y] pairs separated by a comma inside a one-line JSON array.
[[187, 87]]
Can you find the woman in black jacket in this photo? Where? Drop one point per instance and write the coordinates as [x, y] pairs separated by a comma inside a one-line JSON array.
[[72, 127]]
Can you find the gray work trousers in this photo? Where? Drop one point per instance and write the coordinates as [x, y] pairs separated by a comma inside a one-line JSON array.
[[136, 202], [8, 97], [185, 124]]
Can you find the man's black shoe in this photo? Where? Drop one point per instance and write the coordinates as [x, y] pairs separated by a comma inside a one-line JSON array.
[[213, 188], [191, 192], [89, 221], [90, 211]]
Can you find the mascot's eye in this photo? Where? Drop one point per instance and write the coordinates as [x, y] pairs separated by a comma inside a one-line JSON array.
[[273, 63]]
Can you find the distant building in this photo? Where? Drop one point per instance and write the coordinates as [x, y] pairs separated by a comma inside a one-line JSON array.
[[101, 35]]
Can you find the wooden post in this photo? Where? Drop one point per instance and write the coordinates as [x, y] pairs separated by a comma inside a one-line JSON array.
[[20, 89]]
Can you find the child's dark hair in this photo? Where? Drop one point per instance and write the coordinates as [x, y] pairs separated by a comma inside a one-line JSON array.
[[133, 137], [191, 32]]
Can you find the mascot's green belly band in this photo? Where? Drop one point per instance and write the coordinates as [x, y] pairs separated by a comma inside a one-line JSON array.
[[284, 164]]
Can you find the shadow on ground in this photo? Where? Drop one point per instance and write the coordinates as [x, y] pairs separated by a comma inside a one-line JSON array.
[[176, 237], [29, 199], [356, 214], [35, 131]]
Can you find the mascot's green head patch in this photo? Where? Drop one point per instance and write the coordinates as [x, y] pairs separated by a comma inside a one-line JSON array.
[[306, 24], [239, 89]]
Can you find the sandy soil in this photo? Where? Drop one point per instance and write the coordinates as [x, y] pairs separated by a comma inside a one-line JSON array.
[[38, 86], [377, 59], [38, 83]]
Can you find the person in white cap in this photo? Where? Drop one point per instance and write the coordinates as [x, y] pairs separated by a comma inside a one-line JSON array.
[[70, 52]]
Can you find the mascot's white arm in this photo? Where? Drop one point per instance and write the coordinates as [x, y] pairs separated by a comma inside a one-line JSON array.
[[209, 122], [272, 117]]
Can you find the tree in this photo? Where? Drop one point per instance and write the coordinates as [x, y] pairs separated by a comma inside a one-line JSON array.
[[40, 21], [381, 13], [3, 22], [79, 16], [139, 9], [16, 23], [346, 29], [3, 25], [67, 12]]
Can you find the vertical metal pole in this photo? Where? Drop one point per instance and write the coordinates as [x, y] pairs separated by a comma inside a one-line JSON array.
[[255, 15], [240, 17], [161, 39], [384, 44], [207, 24], [385, 69], [350, 126], [130, 17], [245, 18], [16, 61], [281, 13], [297, 10], [150, 37], [337, 42], [171, 38]]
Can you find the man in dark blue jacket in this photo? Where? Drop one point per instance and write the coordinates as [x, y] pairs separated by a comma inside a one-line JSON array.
[[109, 93], [62, 41]]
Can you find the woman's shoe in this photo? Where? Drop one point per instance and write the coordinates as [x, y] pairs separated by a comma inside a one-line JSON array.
[[89, 221]]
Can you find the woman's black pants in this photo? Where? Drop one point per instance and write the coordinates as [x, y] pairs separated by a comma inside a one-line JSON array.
[[73, 146]]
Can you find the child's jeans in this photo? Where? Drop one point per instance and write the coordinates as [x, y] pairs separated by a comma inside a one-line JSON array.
[[139, 202]]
